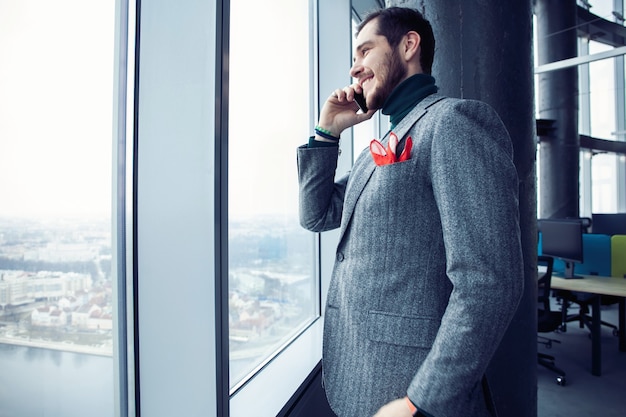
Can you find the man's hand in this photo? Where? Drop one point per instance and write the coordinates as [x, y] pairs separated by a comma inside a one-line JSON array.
[[341, 111], [395, 408]]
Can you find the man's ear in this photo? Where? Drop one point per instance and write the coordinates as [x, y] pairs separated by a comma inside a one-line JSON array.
[[410, 45]]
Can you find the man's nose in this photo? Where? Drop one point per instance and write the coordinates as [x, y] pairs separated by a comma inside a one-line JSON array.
[[356, 69]]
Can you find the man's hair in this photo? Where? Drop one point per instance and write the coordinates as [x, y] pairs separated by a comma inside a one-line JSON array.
[[395, 22]]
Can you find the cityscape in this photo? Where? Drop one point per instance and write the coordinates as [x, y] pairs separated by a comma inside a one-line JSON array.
[[56, 286]]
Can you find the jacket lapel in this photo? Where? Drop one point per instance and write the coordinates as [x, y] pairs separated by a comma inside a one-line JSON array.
[[364, 166], [417, 113]]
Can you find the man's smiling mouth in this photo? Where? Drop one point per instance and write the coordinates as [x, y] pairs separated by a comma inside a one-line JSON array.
[[365, 80]]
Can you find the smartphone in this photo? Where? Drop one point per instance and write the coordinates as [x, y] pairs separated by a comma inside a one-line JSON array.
[[359, 98]]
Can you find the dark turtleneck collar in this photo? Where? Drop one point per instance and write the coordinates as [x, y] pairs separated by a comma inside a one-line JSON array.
[[406, 95]]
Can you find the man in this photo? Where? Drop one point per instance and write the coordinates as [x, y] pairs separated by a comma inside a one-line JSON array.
[[428, 269]]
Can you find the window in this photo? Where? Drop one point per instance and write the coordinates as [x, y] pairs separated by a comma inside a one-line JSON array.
[[602, 124], [56, 298], [605, 115], [273, 283], [601, 8], [601, 116], [604, 172], [602, 94]]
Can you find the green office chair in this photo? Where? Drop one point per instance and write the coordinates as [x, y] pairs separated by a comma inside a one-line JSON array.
[[547, 320]]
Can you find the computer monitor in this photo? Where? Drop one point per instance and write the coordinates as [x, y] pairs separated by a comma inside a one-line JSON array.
[[608, 223], [563, 239]]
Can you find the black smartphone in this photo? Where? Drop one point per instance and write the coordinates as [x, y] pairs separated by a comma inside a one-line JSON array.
[[359, 98]]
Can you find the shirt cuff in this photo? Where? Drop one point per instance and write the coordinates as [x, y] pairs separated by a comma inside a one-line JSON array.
[[319, 144], [415, 410]]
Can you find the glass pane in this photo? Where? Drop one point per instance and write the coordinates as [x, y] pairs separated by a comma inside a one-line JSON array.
[[56, 318], [602, 94], [604, 183], [272, 275], [601, 8]]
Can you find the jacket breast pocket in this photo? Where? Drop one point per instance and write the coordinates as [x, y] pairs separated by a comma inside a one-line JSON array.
[[395, 167], [388, 178], [396, 329]]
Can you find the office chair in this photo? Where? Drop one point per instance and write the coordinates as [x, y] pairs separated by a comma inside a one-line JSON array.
[[547, 320], [584, 301]]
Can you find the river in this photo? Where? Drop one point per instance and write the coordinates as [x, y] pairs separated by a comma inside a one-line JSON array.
[[36, 382]]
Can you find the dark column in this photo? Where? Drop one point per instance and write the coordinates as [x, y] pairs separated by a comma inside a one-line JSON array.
[[558, 101], [484, 51]]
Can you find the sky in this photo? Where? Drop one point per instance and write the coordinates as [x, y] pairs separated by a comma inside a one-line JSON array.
[[269, 106], [56, 83]]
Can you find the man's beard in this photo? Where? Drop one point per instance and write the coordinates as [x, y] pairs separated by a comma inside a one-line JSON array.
[[396, 72]]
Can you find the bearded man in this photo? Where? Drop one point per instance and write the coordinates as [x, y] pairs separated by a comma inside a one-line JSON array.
[[428, 267]]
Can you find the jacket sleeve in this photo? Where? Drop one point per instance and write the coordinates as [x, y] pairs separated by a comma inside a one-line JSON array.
[[476, 190], [320, 197]]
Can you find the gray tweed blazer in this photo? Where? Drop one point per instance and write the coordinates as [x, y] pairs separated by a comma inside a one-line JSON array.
[[428, 270]]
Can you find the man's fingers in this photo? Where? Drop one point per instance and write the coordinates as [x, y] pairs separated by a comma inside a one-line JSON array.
[[346, 93]]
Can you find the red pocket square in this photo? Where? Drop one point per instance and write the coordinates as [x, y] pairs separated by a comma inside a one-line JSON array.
[[384, 156]]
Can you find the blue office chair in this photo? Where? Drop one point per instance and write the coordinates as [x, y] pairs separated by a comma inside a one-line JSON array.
[[547, 320]]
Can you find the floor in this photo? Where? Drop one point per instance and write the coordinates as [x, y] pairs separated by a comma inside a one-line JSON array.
[[583, 394]]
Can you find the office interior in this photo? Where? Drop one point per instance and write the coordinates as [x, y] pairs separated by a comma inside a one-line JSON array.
[[216, 294]]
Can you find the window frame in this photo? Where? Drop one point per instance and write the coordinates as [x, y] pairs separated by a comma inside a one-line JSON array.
[[175, 123], [122, 208]]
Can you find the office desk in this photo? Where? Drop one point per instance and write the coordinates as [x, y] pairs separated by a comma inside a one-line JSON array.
[[597, 285]]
